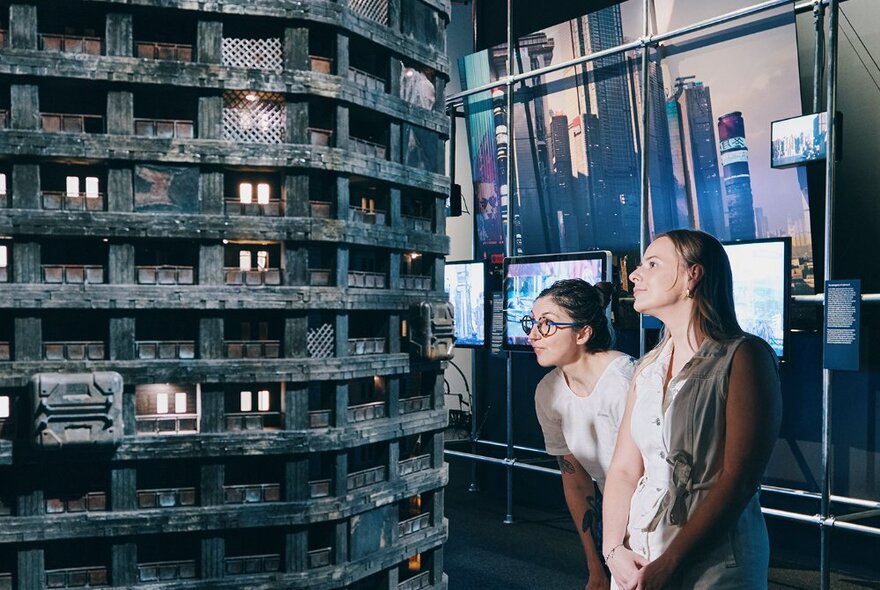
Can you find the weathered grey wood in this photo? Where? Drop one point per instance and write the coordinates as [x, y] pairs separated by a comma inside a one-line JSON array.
[[393, 460], [121, 268], [393, 334], [24, 107], [296, 271], [296, 48], [298, 121], [341, 332], [211, 264], [212, 554], [395, 69], [122, 333], [393, 395], [26, 263], [123, 488], [394, 142], [129, 419], [437, 565], [123, 564], [211, 338], [342, 259], [210, 117], [28, 339], [340, 473], [119, 40], [394, 17], [340, 545], [341, 57], [120, 189], [394, 269], [296, 194], [30, 569], [23, 26], [295, 334], [211, 484], [394, 203], [209, 41], [211, 192], [341, 134], [296, 546], [296, 477], [26, 186], [343, 194], [340, 407], [212, 419], [120, 112]]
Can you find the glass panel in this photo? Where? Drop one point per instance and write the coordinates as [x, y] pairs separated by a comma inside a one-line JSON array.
[[247, 404], [246, 192], [161, 403], [263, 192], [263, 400], [92, 186], [244, 260], [72, 186], [180, 403]]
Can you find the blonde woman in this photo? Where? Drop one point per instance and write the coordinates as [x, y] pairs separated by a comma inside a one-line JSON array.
[[681, 500]]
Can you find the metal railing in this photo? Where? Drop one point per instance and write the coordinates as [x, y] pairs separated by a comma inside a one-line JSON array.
[[165, 349], [165, 274]]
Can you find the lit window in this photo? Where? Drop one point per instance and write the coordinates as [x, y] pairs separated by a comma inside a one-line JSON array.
[[4, 256], [263, 193], [92, 187], [246, 192], [263, 400], [180, 402], [403, 328], [4, 406], [262, 260], [2, 184], [161, 403], [72, 186], [244, 260], [247, 404]]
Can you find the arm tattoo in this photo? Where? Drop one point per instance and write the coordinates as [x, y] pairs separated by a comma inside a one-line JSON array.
[[589, 514], [565, 465]]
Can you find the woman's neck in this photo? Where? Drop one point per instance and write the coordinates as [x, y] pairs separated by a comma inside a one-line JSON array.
[[583, 374]]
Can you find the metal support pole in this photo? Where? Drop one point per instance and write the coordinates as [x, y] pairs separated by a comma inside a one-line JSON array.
[[830, 177], [819, 59], [508, 247], [474, 486], [643, 157]]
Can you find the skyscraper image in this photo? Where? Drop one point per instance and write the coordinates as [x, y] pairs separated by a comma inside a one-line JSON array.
[[737, 181], [698, 126], [562, 192]]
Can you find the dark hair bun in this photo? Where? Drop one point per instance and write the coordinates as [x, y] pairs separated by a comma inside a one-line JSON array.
[[607, 291]]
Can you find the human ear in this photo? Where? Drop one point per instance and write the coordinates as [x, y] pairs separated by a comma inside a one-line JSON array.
[[695, 275], [584, 335]]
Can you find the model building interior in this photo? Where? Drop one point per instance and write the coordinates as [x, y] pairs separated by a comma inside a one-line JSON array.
[[216, 220]]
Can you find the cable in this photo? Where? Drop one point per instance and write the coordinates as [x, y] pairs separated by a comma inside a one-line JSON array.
[[867, 70], [859, 37]]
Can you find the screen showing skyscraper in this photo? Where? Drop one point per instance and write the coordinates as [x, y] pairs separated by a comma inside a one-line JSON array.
[[761, 282], [465, 285], [798, 140]]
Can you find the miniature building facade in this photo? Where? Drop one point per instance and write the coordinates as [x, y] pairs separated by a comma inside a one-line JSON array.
[[233, 205]]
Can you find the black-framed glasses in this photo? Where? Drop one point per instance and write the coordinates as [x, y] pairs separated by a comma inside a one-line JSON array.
[[545, 327]]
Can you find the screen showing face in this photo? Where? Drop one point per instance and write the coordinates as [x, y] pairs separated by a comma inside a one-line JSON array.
[[465, 284], [760, 278], [525, 280], [798, 140]]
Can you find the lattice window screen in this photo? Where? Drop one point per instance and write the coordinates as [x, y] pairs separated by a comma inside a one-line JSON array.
[[376, 10], [319, 342], [264, 54], [254, 117]]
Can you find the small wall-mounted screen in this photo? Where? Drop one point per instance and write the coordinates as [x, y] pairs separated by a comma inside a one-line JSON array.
[[526, 276], [798, 140], [465, 283], [761, 285]]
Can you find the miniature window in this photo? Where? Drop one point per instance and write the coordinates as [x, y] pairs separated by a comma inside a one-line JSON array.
[[4, 406], [246, 402], [161, 403], [263, 193], [180, 402], [246, 192], [92, 186], [368, 203], [263, 400], [262, 260], [244, 260], [2, 184], [4, 256]]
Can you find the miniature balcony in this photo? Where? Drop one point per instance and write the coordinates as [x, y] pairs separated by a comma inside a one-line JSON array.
[[319, 488], [252, 349], [72, 274], [272, 208], [73, 351], [363, 412], [362, 78], [415, 404], [416, 223], [162, 571], [163, 51], [371, 216], [422, 580], [320, 137], [91, 502], [164, 128], [320, 64], [320, 209], [72, 44], [319, 419], [71, 123], [252, 278], [252, 564], [236, 421], [167, 423], [166, 498], [415, 282], [368, 148], [165, 349], [165, 275], [359, 346], [366, 280], [77, 577], [320, 277], [319, 557], [60, 200], [252, 494], [414, 464], [5, 351], [414, 524], [366, 477]]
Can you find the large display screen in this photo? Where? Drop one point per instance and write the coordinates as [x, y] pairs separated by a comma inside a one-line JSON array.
[[798, 140], [465, 284], [761, 283], [526, 276]]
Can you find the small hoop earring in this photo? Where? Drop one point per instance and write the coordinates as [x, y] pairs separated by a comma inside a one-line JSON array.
[[689, 294]]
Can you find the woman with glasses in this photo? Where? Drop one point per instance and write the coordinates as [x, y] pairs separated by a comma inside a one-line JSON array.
[[681, 507], [580, 404]]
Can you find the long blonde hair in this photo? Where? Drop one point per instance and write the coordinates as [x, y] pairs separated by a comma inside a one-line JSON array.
[[712, 314]]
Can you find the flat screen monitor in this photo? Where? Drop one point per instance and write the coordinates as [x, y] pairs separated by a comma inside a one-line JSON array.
[[526, 276], [465, 284], [799, 140], [761, 287]]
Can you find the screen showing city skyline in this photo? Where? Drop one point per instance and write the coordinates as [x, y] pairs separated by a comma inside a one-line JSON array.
[[576, 134], [798, 140], [465, 285]]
